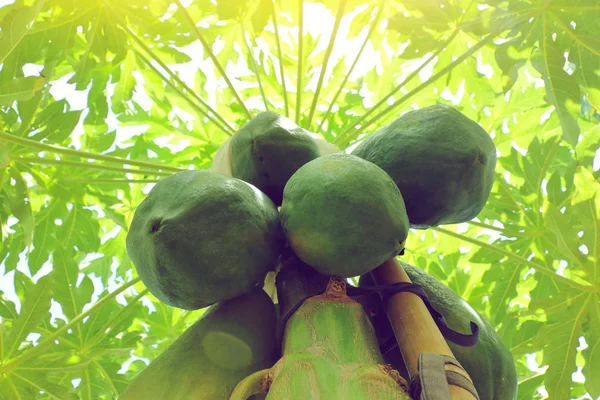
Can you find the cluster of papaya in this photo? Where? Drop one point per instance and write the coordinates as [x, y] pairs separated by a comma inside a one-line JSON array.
[[276, 193]]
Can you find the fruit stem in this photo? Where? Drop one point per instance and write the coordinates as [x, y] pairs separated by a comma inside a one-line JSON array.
[[252, 384], [336, 287]]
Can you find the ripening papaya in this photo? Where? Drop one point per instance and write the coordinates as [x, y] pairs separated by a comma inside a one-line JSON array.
[[269, 149], [330, 352], [343, 215], [200, 237], [489, 363], [442, 161], [231, 340]]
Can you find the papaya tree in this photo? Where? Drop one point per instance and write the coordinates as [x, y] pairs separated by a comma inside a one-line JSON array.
[[100, 101]]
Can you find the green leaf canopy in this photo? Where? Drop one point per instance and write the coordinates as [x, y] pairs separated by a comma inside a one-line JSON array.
[[100, 99]]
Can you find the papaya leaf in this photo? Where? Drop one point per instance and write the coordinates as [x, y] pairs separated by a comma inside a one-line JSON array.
[[80, 229], [567, 240], [261, 16], [522, 339], [586, 186], [486, 256], [229, 9], [44, 236], [588, 212], [61, 127], [504, 280], [582, 43], [4, 160], [68, 292], [124, 89], [15, 26], [528, 387], [17, 246], [556, 194], [35, 306], [36, 382], [21, 206], [591, 354], [545, 287], [7, 308], [562, 90], [562, 339], [510, 60], [99, 140], [538, 160], [532, 82], [20, 89], [586, 149], [27, 110]]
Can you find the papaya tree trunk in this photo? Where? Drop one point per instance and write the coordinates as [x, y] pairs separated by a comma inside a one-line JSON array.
[[329, 347]]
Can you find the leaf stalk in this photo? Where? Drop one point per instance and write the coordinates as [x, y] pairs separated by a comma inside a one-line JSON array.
[[33, 144], [542, 269]]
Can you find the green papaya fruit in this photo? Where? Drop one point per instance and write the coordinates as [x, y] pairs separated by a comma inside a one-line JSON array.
[[343, 215], [330, 352], [200, 237], [231, 340], [268, 150], [489, 363], [442, 161]]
